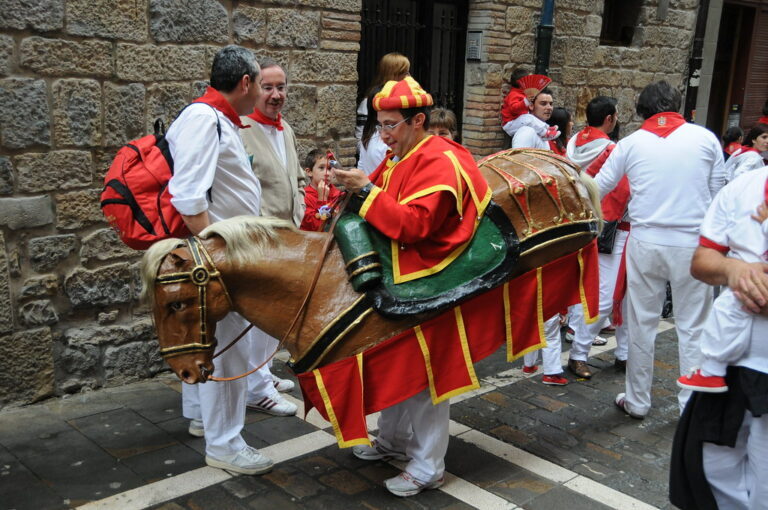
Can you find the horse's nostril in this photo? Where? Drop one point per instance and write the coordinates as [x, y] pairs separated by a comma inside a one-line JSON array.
[[184, 375]]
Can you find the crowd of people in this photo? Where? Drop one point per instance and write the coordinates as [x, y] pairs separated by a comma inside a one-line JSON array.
[[663, 210]]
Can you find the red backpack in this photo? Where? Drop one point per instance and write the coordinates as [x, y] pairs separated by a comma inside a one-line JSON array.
[[135, 199]]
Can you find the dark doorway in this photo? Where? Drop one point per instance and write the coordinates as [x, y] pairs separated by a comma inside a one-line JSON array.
[[729, 81], [431, 34]]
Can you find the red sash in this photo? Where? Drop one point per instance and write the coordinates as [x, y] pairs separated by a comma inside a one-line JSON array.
[[263, 119], [663, 124], [213, 97]]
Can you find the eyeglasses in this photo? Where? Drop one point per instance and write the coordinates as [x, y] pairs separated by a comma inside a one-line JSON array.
[[389, 127]]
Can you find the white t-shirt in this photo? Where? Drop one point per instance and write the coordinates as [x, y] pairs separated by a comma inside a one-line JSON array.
[[585, 154], [526, 138], [728, 222], [204, 162], [671, 180], [371, 156], [742, 162]]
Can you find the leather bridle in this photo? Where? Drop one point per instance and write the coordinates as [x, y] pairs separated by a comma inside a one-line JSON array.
[[200, 275]]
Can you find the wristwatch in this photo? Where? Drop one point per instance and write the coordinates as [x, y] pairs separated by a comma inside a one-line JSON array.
[[365, 190]]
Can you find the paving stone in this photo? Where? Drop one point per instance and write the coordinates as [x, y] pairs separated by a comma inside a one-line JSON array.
[[21, 489], [521, 487], [345, 482], [177, 428], [155, 402], [210, 497], [123, 433], [278, 429], [164, 463], [555, 498], [477, 466], [294, 482]]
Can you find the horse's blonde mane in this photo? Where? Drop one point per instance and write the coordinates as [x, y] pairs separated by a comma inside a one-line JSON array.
[[247, 237], [594, 196], [150, 264]]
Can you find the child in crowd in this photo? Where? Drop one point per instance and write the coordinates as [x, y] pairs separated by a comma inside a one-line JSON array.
[[725, 338], [319, 194], [442, 122], [515, 113], [732, 139]]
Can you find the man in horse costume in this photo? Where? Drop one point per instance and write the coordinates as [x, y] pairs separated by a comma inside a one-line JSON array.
[[428, 197]]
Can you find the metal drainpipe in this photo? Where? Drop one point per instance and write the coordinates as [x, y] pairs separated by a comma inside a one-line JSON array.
[[544, 36], [695, 62]]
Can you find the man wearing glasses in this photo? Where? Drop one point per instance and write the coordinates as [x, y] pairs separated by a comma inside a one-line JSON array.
[[428, 197]]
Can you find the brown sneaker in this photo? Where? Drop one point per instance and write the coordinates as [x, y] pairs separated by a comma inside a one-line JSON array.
[[579, 369]]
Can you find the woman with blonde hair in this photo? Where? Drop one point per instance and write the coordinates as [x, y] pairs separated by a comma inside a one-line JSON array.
[[392, 66]]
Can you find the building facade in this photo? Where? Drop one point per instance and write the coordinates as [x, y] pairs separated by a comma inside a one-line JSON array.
[[80, 78]]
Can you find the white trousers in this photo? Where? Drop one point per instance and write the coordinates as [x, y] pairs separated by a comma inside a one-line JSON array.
[[649, 267], [550, 354], [727, 334], [738, 476], [419, 429], [260, 383], [221, 405], [584, 334]]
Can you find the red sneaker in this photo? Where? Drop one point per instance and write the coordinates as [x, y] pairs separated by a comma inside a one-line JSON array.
[[530, 370], [707, 384], [554, 380]]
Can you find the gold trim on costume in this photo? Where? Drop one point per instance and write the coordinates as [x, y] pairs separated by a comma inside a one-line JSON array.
[[359, 257], [508, 323], [332, 415], [369, 201], [362, 270], [329, 326], [553, 241], [540, 307], [588, 318], [341, 335]]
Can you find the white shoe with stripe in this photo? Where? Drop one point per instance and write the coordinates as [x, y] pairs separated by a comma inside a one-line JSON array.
[[275, 405]]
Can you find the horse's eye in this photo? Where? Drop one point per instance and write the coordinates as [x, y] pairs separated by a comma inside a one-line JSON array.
[[176, 306]]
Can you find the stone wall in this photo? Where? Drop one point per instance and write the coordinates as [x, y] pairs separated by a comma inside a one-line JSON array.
[[79, 78], [580, 67]]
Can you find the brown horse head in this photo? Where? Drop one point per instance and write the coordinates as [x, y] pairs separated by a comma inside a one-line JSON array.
[[188, 298]]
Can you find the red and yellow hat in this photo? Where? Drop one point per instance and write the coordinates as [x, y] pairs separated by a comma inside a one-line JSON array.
[[399, 95]]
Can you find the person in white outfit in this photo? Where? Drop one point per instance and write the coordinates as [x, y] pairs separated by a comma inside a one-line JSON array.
[[213, 181], [526, 136], [728, 228], [750, 155], [590, 149], [726, 435], [674, 169]]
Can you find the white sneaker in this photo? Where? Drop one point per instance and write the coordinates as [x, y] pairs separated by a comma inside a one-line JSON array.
[[248, 461], [196, 428], [405, 485], [282, 385], [377, 452], [276, 405]]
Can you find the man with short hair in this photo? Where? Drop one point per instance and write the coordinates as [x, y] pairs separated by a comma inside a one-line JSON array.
[[589, 149], [541, 108], [428, 197], [674, 169], [213, 181], [272, 146]]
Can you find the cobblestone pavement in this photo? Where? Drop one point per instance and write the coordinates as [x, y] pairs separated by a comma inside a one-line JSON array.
[[515, 443]]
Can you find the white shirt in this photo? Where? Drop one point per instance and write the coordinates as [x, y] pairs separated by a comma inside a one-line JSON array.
[[204, 162], [276, 138], [741, 162], [585, 154], [671, 180], [729, 222], [526, 138], [371, 156]]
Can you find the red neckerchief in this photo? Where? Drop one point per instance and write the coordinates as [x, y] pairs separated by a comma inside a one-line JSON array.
[[746, 148], [554, 148], [763, 120], [589, 134], [663, 124], [213, 97], [732, 147], [263, 119]]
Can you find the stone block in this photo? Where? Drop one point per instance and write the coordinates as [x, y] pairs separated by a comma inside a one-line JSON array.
[[6, 54], [164, 102], [79, 361], [126, 362], [104, 244], [32, 355], [339, 5], [6, 176], [55, 170], [301, 109], [569, 23], [162, 63], [249, 24], [124, 120], [57, 57], [24, 113], [593, 26], [77, 112], [188, 21], [522, 48], [38, 15], [197, 89], [47, 285], [6, 313], [140, 330], [340, 45], [78, 208], [315, 66], [580, 51], [293, 28], [46, 252], [107, 317], [38, 313], [104, 286], [27, 212], [117, 19], [335, 112]]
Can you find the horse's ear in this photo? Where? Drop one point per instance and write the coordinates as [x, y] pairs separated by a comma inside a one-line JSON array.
[[178, 257]]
